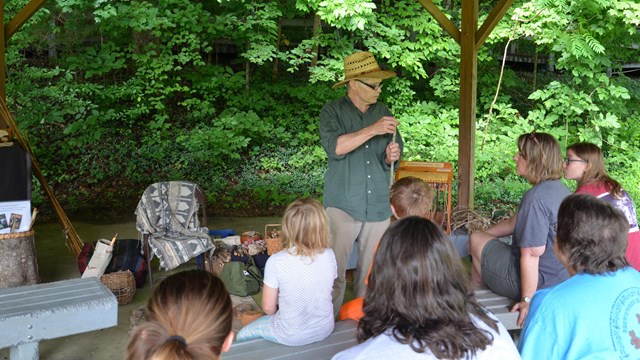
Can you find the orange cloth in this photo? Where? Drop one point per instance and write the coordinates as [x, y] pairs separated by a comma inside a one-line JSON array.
[[352, 310]]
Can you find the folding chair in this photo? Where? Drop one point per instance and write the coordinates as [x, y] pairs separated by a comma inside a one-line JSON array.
[[168, 218], [438, 175]]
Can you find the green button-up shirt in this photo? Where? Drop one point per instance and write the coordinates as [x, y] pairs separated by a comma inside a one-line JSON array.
[[358, 182]]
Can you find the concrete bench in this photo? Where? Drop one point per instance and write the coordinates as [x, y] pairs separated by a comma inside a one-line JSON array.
[[500, 306], [342, 337], [29, 314]]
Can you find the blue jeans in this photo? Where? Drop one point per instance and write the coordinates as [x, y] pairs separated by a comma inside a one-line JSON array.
[[461, 241]]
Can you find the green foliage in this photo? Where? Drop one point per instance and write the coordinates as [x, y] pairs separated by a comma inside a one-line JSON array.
[[116, 94], [430, 132]]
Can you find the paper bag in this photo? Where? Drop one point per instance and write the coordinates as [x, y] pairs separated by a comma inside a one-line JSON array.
[[100, 259]]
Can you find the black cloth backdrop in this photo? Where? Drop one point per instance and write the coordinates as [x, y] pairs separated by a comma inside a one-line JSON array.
[[15, 174]]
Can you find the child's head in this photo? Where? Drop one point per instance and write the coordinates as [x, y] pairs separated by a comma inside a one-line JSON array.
[[305, 225], [189, 316], [411, 196]]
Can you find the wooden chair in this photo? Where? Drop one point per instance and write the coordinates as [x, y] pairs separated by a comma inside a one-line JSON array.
[[171, 219], [440, 176]]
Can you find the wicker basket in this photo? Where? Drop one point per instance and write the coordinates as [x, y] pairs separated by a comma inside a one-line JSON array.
[[273, 238], [122, 284]]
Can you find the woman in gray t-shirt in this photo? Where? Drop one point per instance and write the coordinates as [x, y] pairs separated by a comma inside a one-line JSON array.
[[528, 263]]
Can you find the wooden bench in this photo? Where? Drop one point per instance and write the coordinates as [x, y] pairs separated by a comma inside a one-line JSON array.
[[342, 337], [29, 314], [500, 306]]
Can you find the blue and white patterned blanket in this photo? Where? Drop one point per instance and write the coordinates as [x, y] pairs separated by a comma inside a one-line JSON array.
[[168, 213]]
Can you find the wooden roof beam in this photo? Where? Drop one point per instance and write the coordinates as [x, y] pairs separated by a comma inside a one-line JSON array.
[[6, 32], [21, 18], [491, 21], [442, 19]]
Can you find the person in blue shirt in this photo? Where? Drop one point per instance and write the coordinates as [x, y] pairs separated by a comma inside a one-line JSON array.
[[595, 314]]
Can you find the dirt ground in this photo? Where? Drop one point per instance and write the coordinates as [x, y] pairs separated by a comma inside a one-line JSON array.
[[56, 262]]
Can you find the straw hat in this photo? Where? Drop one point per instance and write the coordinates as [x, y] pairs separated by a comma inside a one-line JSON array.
[[362, 65]]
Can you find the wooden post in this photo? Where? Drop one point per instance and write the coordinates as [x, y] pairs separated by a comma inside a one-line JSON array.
[[468, 84]]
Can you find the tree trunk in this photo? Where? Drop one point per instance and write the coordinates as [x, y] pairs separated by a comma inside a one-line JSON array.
[[247, 68], [276, 61], [535, 68], [316, 30], [51, 40], [18, 264]]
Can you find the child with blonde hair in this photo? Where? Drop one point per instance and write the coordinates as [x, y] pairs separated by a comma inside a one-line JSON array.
[[298, 281]]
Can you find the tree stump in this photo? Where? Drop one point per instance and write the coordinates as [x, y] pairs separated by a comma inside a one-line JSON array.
[[18, 263]]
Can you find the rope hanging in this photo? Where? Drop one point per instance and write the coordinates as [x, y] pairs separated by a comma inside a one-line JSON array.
[[393, 140], [73, 239]]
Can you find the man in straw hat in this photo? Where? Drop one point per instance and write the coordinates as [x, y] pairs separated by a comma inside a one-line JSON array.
[[358, 134]]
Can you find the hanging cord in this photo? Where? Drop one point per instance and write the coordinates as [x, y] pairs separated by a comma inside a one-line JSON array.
[[393, 140], [504, 60], [73, 239]]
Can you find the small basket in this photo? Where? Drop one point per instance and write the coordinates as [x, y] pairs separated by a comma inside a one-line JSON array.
[[273, 238], [122, 284]]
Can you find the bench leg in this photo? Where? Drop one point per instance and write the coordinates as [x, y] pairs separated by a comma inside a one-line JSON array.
[[28, 351]]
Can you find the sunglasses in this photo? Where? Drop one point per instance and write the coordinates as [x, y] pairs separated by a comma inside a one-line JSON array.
[[370, 86]]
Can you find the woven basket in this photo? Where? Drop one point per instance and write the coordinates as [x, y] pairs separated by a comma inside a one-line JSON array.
[[273, 238], [122, 284], [17, 235]]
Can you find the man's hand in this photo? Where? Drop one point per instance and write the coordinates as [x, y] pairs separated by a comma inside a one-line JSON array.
[[393, 152], [386, 125]]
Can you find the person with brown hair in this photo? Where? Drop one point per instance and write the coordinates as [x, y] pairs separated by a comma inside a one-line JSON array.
[[528, 264], [595, 313], [360, 136], [420, 305], [188, 317], [585, 164], [296, 295], [409, 196]]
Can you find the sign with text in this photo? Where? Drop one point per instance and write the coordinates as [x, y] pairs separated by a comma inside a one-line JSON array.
[[15, 216]]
